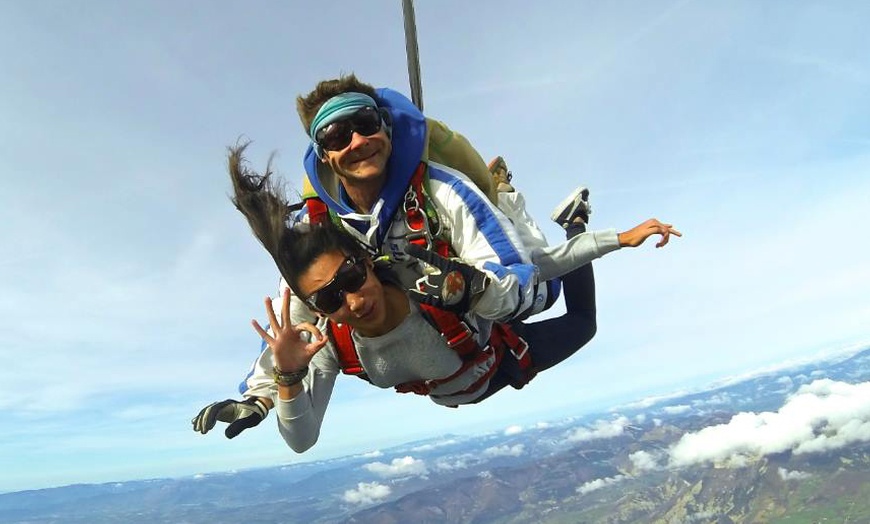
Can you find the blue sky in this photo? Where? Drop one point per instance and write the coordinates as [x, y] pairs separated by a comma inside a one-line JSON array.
[[128, 280]]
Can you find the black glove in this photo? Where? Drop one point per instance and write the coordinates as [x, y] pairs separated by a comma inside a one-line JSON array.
[[241, 415], [451, 286]]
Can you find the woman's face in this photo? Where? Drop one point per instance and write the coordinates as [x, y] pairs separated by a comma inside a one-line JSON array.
[[335, 276]]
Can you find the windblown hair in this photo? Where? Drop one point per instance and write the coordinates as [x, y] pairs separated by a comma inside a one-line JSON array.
[[293, 247], [310, 104]]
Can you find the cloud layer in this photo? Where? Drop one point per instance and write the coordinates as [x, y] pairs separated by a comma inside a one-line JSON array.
[[821, 416], [400, 467], [366, 493], [600, 429]]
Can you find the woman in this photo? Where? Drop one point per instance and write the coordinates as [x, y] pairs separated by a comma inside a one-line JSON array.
[[394, 340]]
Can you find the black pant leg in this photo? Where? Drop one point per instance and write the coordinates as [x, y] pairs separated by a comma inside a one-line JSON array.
[[553, 340]]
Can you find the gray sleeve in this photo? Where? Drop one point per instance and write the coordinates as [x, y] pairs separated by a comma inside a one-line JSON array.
[[556, 261], [300, 418]]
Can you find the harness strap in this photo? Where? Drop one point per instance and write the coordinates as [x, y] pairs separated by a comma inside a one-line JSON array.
[[503, 341], [456, 333], [340, 334], [420, 216], [502, 336], [424, 387], [477, 384], [318, 213], [458, 337]]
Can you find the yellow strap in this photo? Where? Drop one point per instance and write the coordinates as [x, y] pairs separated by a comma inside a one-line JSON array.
[[307, 189]]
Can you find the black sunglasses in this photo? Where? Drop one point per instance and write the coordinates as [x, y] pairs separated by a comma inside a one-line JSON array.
[[337, 135], [349, 278]]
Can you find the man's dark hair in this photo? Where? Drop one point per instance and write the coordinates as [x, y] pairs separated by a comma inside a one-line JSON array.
[[310, 104]]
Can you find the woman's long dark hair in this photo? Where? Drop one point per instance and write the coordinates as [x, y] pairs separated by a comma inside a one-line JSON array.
[[293, 246]]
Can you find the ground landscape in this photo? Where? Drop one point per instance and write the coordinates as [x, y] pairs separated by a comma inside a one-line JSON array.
[[786, 446]]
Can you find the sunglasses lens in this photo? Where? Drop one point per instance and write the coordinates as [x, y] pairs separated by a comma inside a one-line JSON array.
[[337, 135], [366, 123], [349, 279], [328, 301]]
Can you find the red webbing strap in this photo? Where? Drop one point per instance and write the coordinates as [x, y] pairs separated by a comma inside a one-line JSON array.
[[460, 339], [455, 331], [317, 211], [416, 218], [415, 212], [345, 349], [424, 387], [505, 339], [477, 384], [504, 342]]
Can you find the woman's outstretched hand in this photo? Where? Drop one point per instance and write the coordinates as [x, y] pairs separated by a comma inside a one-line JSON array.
[[290, 351], [638, 234]]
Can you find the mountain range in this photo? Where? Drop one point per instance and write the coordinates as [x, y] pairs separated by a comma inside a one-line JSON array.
[[786, 445]]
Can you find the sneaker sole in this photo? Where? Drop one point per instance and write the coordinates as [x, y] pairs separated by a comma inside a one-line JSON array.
[[563, 205]]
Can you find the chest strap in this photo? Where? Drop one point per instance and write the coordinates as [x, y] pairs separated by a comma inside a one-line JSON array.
[[459, 337], [421, 218]]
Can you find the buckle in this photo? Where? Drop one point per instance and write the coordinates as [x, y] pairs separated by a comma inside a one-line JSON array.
[[460, 338], [524, 349], [418, 234]]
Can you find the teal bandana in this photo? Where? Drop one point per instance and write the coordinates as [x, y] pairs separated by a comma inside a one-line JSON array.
[[336, 108]]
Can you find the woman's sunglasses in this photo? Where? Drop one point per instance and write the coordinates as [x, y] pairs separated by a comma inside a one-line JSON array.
[[349, 278], [337, 135]]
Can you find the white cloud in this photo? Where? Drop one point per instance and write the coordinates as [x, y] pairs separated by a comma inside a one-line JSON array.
[[504, 451], [593, 485], [513, 430], [399, 467], [600, 429], [713, 400], [677, 410], [644, 460], [372, 454], [785, 474], [820, 416], [429, 447], [450, 465], [650, 401], [366, 493]]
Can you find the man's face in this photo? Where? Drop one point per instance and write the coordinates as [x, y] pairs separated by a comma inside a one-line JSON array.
[[363, 161]]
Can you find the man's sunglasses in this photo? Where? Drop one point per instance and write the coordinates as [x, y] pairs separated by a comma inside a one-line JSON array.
[[337, 135], [349, 278]]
